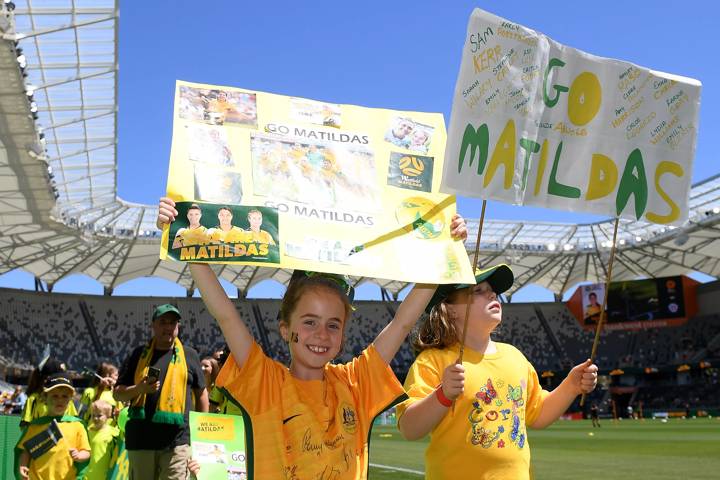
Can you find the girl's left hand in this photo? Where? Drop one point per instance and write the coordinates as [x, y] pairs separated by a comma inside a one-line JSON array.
[[458, 227], [584, 377]]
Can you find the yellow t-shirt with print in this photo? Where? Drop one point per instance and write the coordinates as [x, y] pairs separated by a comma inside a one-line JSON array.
[[35, 407], [57, 463], [193, 236], [314, 428], [485, 434], [234, 235]]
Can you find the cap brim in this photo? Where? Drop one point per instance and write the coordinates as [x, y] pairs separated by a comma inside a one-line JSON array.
[[500, 277], [57, 387]]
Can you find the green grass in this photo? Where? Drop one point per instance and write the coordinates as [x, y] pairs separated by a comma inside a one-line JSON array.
[[631, 450]]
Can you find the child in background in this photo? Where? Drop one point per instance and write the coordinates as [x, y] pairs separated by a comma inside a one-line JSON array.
[[313, 419], [68, 458], [35, 406], [106, 376], [495, 391], [102, 437]]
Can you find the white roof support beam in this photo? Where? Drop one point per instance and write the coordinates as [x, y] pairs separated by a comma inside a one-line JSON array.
[[19, 36]]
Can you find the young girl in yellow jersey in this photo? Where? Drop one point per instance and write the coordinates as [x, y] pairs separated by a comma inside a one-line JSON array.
[[476, 412], [313, 419]]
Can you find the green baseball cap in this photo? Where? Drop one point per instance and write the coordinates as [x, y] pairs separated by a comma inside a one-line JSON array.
[[500, 277], [165, 308]]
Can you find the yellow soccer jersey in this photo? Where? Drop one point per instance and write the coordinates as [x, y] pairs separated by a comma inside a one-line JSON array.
[[261, 237], [101, 442], [484, 435], [56, 462], [234, 235], [192, 236], [307, 429]]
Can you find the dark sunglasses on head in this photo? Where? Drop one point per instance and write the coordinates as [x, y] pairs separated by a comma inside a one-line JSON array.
[[341, 280]]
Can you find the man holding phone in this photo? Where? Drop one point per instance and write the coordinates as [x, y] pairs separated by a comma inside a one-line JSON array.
[[159, 380]]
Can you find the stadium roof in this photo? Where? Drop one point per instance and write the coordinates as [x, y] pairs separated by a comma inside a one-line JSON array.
[[58, 176]]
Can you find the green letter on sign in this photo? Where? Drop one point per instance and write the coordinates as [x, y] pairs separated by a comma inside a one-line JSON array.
[[633, 184], [550, 102], [556, 188], [475, 140]]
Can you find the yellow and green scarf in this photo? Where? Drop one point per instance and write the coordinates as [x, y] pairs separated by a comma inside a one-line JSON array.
[[171, 405]]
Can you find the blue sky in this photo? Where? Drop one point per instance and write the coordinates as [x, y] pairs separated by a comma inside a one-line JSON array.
[[402, 55]]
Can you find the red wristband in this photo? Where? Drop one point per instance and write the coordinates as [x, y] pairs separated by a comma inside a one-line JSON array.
[[444, 401]]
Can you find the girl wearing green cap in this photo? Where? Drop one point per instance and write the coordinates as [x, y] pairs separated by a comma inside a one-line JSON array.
[[476, 412]]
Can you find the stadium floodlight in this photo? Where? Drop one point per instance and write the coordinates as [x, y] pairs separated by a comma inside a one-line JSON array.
[[622, 241], [638, 239], [567, 247], [716, 210], [551, 247]]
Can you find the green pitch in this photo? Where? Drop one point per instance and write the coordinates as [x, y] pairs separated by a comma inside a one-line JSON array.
[[631, 450]]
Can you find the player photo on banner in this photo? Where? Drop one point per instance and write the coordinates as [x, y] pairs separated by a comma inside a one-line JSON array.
[[406, 133], [208, 144], [217, 107], [210, 232], [592, 298], [414, 172], [318, 113], [217, 185], [328, 175]]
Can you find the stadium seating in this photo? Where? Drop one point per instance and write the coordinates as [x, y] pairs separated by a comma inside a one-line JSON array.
[[84, 329]]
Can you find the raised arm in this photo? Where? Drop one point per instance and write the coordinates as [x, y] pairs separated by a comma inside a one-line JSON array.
[[390, 339], [216, 300], [581, 379], [219, 305]]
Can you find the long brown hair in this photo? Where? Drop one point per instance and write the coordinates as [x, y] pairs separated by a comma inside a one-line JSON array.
[[438, 330]]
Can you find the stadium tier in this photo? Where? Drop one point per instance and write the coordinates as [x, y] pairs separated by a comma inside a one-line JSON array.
[[85, 329]]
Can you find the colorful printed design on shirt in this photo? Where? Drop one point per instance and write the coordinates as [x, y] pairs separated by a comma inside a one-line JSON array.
[[349, 419], [476, 414], [487, 393], [492, 415], [517, 433], [483, 436], [515, 395]]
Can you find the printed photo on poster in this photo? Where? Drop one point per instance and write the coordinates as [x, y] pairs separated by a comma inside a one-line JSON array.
[[327, 175], [208, 144], [209, 452], [217, 185], [406, 133], [318, 113], [592, 298], [211, 232], [413, 172], [218, 107]]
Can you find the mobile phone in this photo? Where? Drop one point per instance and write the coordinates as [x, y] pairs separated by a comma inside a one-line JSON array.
[[153, 374]]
